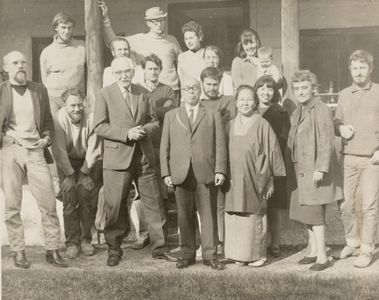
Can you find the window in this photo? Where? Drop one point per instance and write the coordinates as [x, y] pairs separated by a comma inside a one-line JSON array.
[[325, 52], [222, 22]]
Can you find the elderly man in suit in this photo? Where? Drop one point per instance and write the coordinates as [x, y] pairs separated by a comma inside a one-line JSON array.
[[125, 119], [26, 131], [193, 161]]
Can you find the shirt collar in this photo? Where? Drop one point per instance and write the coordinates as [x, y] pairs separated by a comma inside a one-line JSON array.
[[122, 89], [366, 88], [188, 107]]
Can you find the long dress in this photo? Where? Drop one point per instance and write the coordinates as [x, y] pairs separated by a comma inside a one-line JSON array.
[[255, 157]]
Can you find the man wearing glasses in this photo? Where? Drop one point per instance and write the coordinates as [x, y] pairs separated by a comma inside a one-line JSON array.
[[165, 46], [193, 159], [125, 119]]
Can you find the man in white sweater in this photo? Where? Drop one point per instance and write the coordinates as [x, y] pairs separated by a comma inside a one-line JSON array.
[[77, 152], [63, 61]]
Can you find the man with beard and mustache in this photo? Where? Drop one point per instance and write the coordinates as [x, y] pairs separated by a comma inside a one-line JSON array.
[[63, 61], [77, 153], [356, 122], [27, 129]]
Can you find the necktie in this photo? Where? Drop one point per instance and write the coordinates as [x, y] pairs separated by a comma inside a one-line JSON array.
[[190, 117], [127, 100]]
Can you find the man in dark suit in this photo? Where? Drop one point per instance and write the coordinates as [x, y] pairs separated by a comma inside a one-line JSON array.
[[193, 161], [26, 131], [126, 121]]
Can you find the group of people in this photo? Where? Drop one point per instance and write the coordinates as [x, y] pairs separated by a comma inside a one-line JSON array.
[[164, 118]]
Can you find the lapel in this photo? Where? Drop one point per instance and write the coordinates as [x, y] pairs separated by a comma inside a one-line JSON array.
[[134, 99], [305, 111], [36, 104], [117, 94], [7, 99], [199, 116], [182, 118]]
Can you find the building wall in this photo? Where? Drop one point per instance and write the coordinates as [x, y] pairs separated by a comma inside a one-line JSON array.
[[22, 20]]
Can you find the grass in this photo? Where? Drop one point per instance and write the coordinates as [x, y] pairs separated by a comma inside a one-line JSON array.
[[121, 284]]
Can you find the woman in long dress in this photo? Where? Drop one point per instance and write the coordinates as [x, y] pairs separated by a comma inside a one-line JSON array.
[[255, 159], [313, 174], [268, 95]]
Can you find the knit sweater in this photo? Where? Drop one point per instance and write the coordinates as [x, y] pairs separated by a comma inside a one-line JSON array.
[[226, 105], [359, 108], [166, 47], [75, 141], [243, 72], [190, 64], [63, 66]]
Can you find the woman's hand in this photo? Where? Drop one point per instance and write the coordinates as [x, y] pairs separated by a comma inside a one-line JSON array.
[[317, 177]]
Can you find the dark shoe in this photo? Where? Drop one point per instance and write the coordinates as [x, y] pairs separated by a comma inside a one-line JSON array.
[[168, 256], [140, 243], [20, 260], [185, 263], [320, 267], [53, 257], [306, 260], [214, 264], [113, 260], [276, 252]]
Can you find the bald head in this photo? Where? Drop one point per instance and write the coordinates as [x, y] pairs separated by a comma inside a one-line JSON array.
[[191, 91], [123, 71], [16, 65]]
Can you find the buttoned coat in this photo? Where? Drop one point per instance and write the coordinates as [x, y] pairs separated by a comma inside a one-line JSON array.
[[312, 137], [41, 106], [204, 146], [113, 119]]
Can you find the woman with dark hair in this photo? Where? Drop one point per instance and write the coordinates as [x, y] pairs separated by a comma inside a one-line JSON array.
[[268, 95], [245, 64], [255, 158], [213, 58], [313, 177], [191, 62]]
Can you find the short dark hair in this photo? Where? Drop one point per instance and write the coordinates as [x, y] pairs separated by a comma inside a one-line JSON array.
[[216, 50], [246, 36], [211, 72], [62, 17], [194, 27], [270, 82], [71, 92], [362, 56], [247, 87], [119, 39], [153, 58]]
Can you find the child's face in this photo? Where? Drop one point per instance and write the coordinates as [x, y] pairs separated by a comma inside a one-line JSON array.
[[265, 61]]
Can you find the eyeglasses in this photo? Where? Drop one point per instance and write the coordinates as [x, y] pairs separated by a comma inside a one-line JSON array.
[[195, 88], [126, 72], [157, 21]]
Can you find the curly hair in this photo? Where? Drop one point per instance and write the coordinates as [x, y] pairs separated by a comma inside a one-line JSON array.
[[71, 92], [195, 27], [304, 75]]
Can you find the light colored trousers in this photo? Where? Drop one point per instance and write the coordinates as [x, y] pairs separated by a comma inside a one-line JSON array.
[[358, 170], [17, 162]]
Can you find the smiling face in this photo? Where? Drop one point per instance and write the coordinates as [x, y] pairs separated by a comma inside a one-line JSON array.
[[157, 26], [64, 31], [265, 61], [123, 71], [250, 47], [121, 49], [75, 108], [211, 59], [303, 91], [17, 67], [360, 72], [265, 95], [192, 40], [246, 104]]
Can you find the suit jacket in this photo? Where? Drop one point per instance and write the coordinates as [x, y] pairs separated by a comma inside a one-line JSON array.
[[42, 113], [204, 147], [113, 119], [311, 144]]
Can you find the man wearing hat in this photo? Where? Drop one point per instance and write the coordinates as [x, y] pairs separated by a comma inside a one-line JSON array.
[[165, 46]]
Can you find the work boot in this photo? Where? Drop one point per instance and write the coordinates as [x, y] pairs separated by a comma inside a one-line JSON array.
[[53, 257], [20, 260]]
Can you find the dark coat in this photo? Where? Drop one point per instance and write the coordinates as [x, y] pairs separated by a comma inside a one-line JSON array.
[[312, 138], [204, 147], [42, 113], [113, 119]]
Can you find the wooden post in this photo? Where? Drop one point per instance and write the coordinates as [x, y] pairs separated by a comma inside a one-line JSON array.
[[94, 49], [290, 47]]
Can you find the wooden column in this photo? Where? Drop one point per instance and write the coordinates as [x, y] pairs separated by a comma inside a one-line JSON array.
[[290, 45], [94, 49]]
